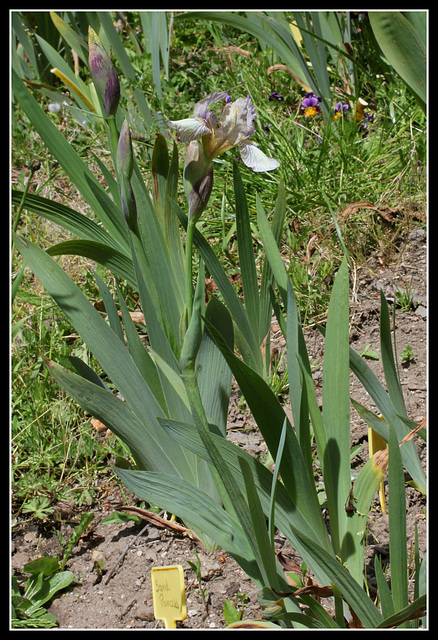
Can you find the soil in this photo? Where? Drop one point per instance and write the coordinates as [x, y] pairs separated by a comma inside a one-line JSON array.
[[119, 596]]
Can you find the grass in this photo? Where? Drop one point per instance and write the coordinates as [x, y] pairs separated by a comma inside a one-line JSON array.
[[325, 166], [55, 453]]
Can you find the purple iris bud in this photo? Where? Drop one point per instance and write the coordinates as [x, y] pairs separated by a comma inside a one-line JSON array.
[[103, 74]]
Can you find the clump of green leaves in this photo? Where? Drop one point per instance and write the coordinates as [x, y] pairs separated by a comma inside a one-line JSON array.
[[47, 578], [45, 581], [407, 355]]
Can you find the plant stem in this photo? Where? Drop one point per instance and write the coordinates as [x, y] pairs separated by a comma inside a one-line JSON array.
[[113, 138], [189, 257], [191, 384]]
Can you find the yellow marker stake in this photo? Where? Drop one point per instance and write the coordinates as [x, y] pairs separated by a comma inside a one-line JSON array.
[[169, 594]]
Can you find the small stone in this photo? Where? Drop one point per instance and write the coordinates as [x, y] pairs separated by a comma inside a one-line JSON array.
[[144, 612], [210, 567]]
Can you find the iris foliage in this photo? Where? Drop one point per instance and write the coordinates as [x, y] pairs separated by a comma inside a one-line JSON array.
[[167, 397]]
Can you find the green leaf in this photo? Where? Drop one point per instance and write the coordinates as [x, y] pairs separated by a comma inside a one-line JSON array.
[[245, 336], [407, 613], [75, 83], [403, 47], [86, 519], [194, 506], [335, 458], [78, 172], [158, 259], [267, 280], [270, 416], [246, 254], [69, 219], [110, 308], [351, 591], [397, 524], [286, 512], [140, 355], [72, 38], [45, 566], [377, 392], [230, 612], [49, 587], [363, 492], [213, 373], [275, 483], [116, 262], [153, 33], [263, 551], [389, 365], [106, 20], [117, 416], [273, 255], [384, 592], [107, 348]]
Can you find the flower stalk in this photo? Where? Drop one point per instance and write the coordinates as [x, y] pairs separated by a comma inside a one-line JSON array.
[[209, 136]]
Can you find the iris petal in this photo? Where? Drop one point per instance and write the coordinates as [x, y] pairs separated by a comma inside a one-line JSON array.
[[255, 159], [201, 107], [189, 128]]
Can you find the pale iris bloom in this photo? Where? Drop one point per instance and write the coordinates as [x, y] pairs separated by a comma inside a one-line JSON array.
[[234, 128]]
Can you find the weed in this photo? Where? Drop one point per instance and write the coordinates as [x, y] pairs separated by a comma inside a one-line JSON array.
[[196, 568], [407, 355]]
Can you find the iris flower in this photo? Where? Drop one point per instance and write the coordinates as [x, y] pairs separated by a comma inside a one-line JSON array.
[[310, 104], [233, 129], [209, 136]]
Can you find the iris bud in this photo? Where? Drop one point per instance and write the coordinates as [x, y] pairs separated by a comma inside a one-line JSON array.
[[125, 155], [125, 166], [198, 179], [103, 74]]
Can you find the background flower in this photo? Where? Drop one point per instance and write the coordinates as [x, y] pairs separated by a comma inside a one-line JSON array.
[[310, 104]]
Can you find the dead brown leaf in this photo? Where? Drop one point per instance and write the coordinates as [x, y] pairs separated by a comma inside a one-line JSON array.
[[158, 521], [388, 213]]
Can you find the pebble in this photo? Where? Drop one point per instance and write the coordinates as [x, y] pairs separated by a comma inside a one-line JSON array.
[[416, 234], [210, 567], [144, 612]]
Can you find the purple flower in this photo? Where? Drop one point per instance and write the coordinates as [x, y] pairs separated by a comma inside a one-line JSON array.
[[276, 96], [340, 110], [208, 136], [310, 104], [233, 128]]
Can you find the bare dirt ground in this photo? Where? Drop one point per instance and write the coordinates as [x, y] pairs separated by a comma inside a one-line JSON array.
[[123, 599]]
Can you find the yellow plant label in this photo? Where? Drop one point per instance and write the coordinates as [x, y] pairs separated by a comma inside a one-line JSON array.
[[169, 594]]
